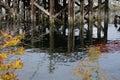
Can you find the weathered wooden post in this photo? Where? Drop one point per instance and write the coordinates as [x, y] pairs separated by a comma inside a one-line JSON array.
[[81, 24], [99, 19], [37, 14], [51, 18], [65, 18], [33, 18], [90, 21], [106, 20], [32, 22], [14, 14], [71, 25]]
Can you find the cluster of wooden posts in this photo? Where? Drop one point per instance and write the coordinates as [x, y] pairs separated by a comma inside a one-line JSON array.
[[56, 14]]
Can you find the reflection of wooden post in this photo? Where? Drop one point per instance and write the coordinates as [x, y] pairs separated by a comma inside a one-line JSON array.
[[82, 23], [99, 19], [106, 19], [51, 25], [70, 25], [90, 21], [51, 64]]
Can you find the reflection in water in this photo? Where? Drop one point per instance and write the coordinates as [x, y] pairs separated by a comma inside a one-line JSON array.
[[88, 65], [88, 68], [63, 58], [93, 53]]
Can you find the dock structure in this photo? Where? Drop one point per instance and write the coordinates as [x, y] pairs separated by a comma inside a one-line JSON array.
[[62, 17]]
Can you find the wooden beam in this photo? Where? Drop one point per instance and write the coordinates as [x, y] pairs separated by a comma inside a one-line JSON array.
[[41, 8], [61, 11], [76, 2]]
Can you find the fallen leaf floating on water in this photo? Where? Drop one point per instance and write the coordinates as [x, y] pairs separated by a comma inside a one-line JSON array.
[[19, 51], [5, 34]]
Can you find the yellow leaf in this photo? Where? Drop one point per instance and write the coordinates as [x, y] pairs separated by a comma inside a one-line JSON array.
[[87, 75], [15, 65], [5, 34], [1, 59], [2, 67], [78, 71], [11, 42], [3, 55], [1, 78], [8, 76], [20, 36], [19, 51]]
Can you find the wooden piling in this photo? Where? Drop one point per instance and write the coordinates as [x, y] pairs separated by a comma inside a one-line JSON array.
[[65, 18], [99, 19], [90, 21], [51, 18], [106, 20], [82, 23], [62, 13], [32, 22], [71, 25]]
